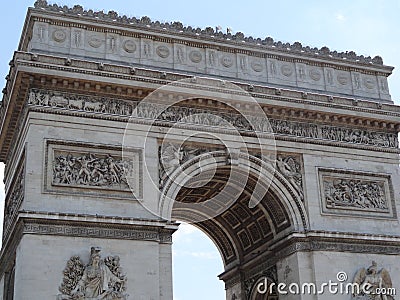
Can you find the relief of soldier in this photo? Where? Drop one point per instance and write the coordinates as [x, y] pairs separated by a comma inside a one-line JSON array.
[[90, 170]]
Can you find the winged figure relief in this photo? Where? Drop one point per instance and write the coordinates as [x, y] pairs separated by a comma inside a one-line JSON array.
[[374, 284]]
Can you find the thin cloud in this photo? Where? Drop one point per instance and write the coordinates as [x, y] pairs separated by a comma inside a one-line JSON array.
[[185, 231], [340, 17], [203, 255]]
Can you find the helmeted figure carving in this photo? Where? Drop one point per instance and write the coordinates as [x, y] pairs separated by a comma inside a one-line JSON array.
[[100, 279], [379, 283]]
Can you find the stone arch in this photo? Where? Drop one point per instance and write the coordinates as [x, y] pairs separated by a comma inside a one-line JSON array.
[[270, 293], [240, 230]]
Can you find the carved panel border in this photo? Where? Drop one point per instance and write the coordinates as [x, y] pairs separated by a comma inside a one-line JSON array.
[[93, 170], [91, 232], [351, 193], [103, 231]]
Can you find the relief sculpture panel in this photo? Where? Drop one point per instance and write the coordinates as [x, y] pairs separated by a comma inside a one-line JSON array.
[[99, 279], [347, 192], [91, 170]]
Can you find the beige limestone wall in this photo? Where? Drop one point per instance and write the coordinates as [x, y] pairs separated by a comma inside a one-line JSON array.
[[69, 131], [364, 222]]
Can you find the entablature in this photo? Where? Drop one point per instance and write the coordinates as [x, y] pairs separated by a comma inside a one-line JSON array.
[[63, 76]]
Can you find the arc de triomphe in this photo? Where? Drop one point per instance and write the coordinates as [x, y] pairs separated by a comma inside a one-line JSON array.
[[113, 129]]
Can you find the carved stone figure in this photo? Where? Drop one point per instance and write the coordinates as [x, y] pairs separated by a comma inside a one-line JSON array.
[[302, 73], [100, 279], [77, 38], [146, 50], [91, 170], [355, 193], [289, 167], [180, 55], [376, 280], [13, 202], [172, 156], [211, 59], [357, 81], [94, 106], [273, 68], [329, 77]]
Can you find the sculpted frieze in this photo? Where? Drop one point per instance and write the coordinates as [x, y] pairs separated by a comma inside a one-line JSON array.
[[346, 192], [95, 169], [190, 115], [91, 170], [355, 193]]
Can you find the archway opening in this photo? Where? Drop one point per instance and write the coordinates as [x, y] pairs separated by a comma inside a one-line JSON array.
[[196, 263], [242, 233]]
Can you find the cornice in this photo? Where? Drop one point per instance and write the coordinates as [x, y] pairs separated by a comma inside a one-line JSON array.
[[349, 242], [314, 100], [89, 219], [84, 226]]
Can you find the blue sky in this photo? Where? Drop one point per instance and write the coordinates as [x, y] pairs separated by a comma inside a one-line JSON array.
[[368, 27]]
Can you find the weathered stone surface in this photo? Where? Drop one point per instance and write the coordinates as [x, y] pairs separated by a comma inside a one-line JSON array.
[[303, 172]]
